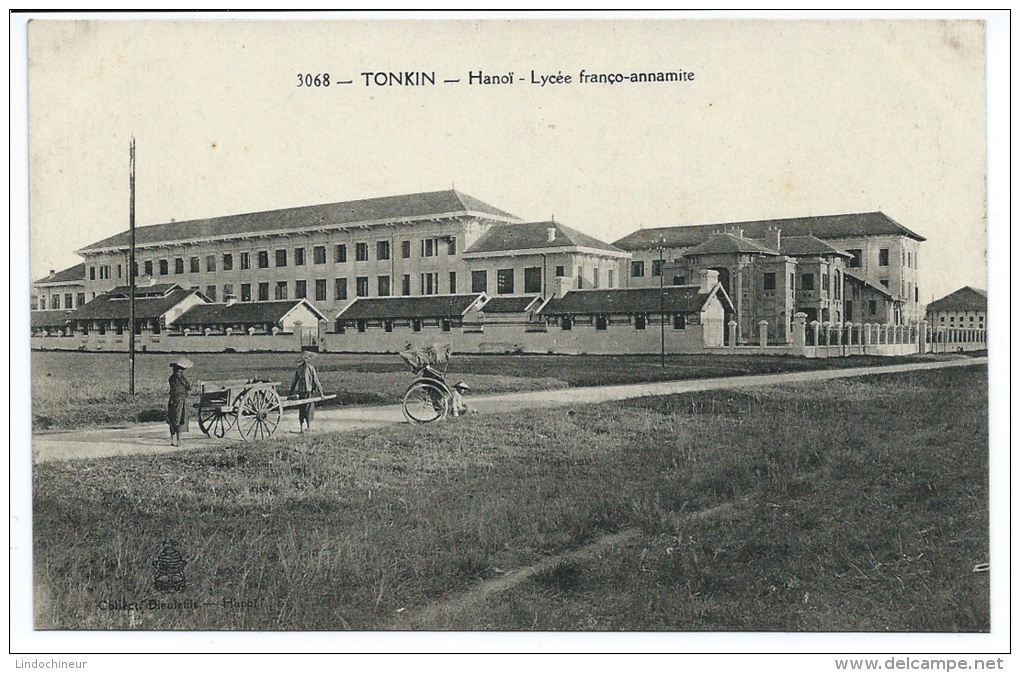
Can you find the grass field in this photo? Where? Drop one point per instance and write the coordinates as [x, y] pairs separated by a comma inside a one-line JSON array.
[[857, 504], [74, 390]]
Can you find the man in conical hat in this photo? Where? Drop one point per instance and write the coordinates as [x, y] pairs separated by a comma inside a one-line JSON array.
[[177, 405]]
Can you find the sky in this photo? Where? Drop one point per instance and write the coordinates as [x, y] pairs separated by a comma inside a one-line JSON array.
[[781, 119]]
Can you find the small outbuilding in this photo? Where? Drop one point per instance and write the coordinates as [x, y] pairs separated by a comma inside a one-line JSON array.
[[51, 323], [157, 308], [686, 318], [261, 317], [519, 310]]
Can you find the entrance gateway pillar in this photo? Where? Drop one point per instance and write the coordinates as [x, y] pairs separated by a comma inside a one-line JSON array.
[[799, 327]]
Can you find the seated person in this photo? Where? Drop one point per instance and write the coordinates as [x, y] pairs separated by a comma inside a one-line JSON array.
[[458, 407]]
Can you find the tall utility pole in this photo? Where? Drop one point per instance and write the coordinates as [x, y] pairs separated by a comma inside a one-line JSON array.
[[662, 310], [131, 273]]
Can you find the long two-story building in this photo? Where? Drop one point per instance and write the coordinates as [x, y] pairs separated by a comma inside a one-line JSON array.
[[415, 244]]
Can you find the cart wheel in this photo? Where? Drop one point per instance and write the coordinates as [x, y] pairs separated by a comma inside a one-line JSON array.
[[426, 401], [258, 414], [212, 421]]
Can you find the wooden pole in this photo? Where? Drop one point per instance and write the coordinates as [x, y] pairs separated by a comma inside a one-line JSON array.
[[662, 310], [131, 273]]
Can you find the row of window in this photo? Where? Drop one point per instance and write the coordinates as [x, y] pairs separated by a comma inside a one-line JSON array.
[[281, 257], [952, 320], [415, 324], [105, 271], [566, 323], [68, 301], [505, 277], [637, 269], [907, 258], [154, 325], [807, 283], [602, 322], [429, 284]]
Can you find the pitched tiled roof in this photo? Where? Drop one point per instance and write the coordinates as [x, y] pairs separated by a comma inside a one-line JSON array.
[[965, 299], [385, 208], [510, 304], [535, 235], [52, 318], [111, 307], [851, 225], [69, 275], [242, 313], [428, 306], [803, 246], [728, 244], [874, 286], [157, 290], [675, 299]]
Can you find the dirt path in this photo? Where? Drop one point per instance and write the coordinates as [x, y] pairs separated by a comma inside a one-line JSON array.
[[153, 438], [442, 615]]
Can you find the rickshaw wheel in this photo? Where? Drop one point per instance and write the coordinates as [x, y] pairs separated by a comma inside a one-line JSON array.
[[258, 414], [426, 401]]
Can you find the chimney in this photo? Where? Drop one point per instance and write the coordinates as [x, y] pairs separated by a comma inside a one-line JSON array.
[[551, 231], [772, 238], [52, 271], [560, 286], [707, 280]]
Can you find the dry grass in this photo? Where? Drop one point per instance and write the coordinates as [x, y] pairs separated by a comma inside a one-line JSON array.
[[861, 505]]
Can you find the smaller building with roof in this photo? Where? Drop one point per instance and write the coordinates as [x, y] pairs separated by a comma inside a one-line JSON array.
[[264, 317], [64, 289], [56, 323], [966, 308], [387, 324], [104, 321], [516, 310], [686, 318]]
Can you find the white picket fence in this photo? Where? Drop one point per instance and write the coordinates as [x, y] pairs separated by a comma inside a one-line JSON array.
[[825, 339]]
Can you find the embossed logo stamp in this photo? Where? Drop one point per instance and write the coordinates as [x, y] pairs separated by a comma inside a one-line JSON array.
[[169, 567]]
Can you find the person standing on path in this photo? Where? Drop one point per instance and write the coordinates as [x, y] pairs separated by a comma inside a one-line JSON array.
[[306, 383], [177, 406]]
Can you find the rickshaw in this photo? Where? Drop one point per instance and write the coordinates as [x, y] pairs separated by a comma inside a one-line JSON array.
[[428, 398]]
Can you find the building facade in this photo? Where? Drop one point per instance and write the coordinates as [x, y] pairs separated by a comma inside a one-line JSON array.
[[967, 308], [675, 319], [328, 254], [543, 258], [835, 268], [856, 268], [60, 290]]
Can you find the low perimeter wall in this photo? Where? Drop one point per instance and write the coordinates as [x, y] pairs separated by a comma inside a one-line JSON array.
[[622, 339], [519, 338], [172, 343]]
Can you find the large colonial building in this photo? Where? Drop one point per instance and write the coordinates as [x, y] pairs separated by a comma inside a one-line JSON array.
[[417, 244], [859, 268], [836, 269]]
